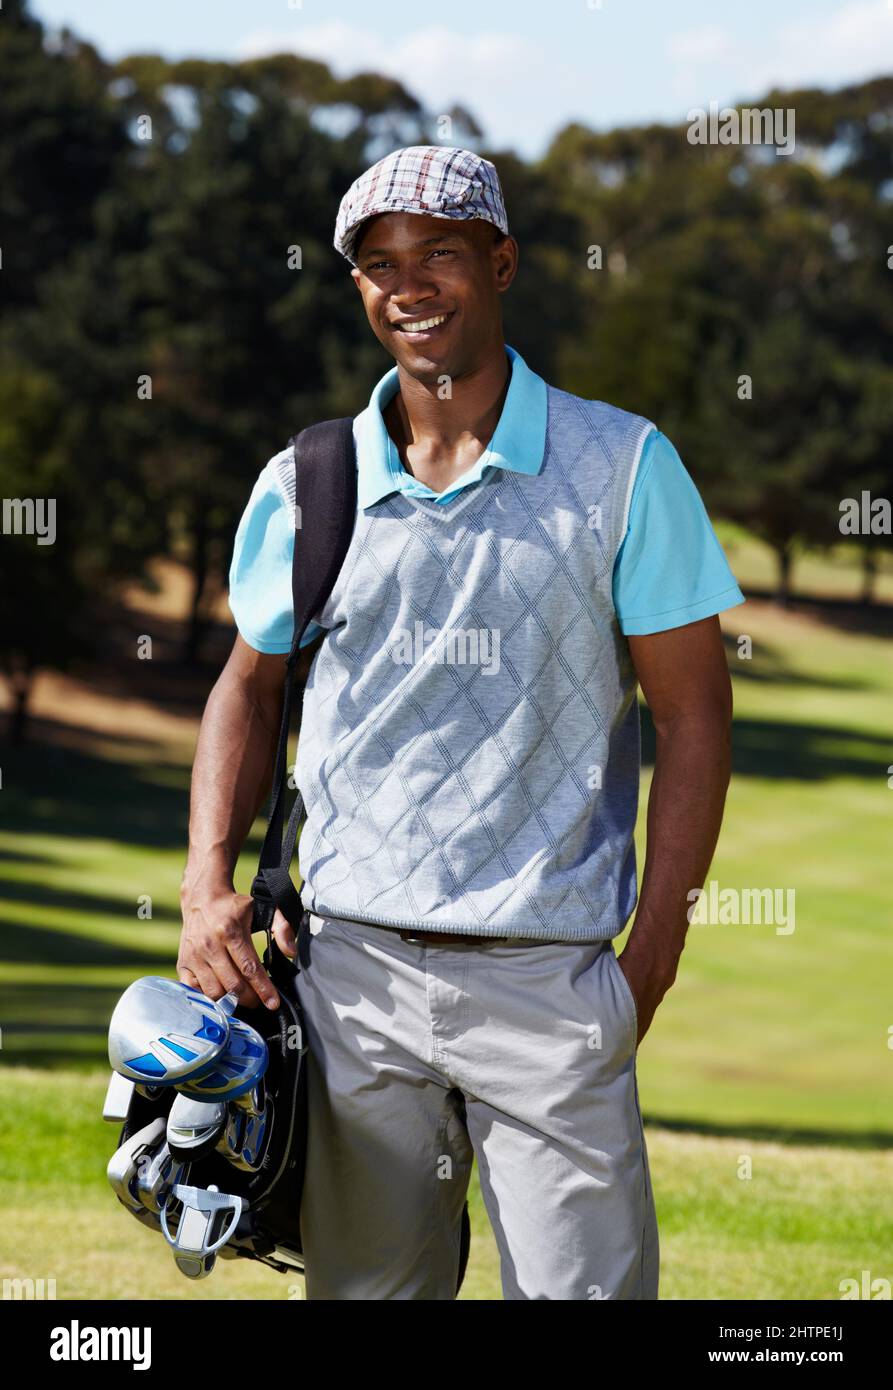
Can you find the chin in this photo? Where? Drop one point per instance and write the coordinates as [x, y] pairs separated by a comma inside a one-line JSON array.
[[419, 360]]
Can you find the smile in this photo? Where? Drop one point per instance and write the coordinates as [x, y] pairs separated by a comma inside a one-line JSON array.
[[422, 325]]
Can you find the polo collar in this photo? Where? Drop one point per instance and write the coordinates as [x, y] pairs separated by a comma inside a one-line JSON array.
[[518, 442]]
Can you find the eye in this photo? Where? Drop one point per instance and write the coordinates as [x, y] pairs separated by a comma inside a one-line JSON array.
[[376, 265], [442, 251]]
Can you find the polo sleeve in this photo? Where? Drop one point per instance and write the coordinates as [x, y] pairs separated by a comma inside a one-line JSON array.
[[260, 595], [670, 569]]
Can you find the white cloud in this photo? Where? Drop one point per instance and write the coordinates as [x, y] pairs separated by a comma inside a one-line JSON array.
[[854, 43], [523, 89], [487, 72], [851, 44]]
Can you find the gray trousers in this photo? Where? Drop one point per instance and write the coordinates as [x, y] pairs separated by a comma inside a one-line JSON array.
[[421, 1058]]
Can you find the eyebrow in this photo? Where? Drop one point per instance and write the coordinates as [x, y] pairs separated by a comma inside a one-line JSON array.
[[426, 241]]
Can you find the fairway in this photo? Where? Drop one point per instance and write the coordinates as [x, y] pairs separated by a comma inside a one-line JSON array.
[[773, 1045], [806, 1218]]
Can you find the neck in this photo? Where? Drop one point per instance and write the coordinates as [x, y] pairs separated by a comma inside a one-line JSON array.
[[439, 439]]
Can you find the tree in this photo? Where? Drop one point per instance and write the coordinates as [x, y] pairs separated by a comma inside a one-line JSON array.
[[60, 146]]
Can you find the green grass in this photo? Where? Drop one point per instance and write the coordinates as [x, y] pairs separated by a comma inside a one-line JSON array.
[[775, 1045], [807, 1217], [790, 1032]]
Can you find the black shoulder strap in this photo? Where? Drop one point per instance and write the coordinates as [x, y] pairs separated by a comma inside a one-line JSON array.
[[325, 514]]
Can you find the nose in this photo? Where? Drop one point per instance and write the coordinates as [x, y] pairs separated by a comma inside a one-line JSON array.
[[414, 284]]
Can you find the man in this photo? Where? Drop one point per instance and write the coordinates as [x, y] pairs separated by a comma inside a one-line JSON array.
[[469, 755]]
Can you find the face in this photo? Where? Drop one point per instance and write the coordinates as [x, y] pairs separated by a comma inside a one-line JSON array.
[[413, 269]]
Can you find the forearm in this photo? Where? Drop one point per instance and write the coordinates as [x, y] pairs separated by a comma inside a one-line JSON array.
[[231, 778], [685, 809]]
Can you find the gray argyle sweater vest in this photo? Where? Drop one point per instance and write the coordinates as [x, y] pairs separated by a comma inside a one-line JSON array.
[[469, 747]]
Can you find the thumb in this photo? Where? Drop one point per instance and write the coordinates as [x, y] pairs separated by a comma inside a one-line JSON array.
[[284, 935]]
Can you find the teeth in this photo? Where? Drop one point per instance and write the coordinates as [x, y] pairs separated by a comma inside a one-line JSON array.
[[422, 324]]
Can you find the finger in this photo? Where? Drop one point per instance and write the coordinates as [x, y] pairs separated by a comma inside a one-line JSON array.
[[246, 996], [284, 935], [206, 979], [204, 958], [228, 978], [247, 962], [197, 957]]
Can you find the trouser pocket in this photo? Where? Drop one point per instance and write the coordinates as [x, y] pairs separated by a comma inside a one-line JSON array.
[[629, 1001]]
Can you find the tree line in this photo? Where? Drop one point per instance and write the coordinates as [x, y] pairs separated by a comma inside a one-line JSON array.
[[175, 310]]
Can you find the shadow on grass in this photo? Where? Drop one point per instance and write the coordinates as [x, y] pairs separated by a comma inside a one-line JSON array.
[[63, 792], [52, 1010], [89, 1052], [769, 667], [50, 1059], [31, 945], [793, 752], [91, 904], [872, 619], [53, 1025], [806, 752], [775, 1134]]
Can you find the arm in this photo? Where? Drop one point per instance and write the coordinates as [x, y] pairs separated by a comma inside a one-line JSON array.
[[231, 778], [685, 680]]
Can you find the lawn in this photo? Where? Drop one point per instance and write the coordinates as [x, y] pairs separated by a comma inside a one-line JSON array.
[[807, 1217], [771, 1044]]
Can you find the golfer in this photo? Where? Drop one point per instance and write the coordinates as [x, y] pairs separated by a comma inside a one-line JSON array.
[[522, 559]]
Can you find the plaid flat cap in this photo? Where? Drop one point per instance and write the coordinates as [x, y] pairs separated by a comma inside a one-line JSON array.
[[432, 179]]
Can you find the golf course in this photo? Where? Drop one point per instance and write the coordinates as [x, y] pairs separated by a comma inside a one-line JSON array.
[[766, 1080]]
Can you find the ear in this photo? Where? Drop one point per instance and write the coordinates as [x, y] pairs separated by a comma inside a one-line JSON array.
[[505, 262], [356, 275]]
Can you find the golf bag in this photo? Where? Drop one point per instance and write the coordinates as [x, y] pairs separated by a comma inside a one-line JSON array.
[[268, 1228], [266, 1219]]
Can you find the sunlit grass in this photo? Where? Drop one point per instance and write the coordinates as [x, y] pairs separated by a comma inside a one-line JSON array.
[[766, 1036]]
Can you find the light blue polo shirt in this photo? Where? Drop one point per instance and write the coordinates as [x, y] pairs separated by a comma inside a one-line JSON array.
[[670, 568]]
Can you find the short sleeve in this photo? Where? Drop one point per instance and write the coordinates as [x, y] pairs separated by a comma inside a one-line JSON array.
[[260, 594], [670, 569]]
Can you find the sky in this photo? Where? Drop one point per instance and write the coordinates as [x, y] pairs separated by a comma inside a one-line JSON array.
[[527, 68]]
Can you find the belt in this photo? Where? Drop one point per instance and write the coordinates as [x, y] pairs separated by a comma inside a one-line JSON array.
[[427, 938], [434, 938]]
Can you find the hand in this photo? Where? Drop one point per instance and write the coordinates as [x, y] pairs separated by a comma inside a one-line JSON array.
[[217, 954], [648, 982]]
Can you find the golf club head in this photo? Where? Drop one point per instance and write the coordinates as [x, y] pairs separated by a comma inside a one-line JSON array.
[[156, 1175], [207, 1218], [163, 1032], [117, 1098], [253, 1101], [236, 1070], [194, 1127], [128, 1163], [247, 1130]]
